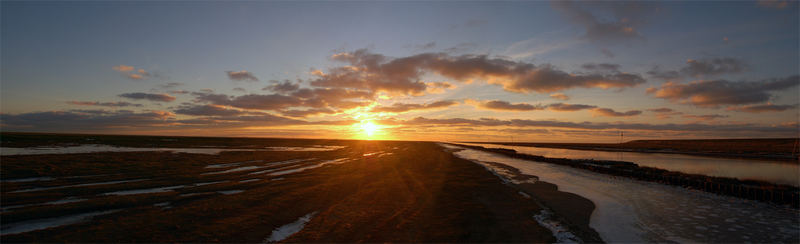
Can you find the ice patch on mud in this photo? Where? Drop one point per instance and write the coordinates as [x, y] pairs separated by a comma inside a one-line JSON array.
[[56, 202], [78, 185], [289, 171], [230, 192], [313, 148], [30, 179], [163, 205], [143, 191], [226, 165], [285, 231], [245, 168], [40, 224], [219, 166], [209, 183], [94, 148], [562, 234]]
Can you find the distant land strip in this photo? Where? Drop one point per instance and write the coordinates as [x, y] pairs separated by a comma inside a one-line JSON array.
[[745, 189]]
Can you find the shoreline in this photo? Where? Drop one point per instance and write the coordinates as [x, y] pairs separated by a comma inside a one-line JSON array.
[[779, 153], [745, 189]]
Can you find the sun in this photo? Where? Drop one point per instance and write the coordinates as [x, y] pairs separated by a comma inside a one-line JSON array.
[[369, 128]]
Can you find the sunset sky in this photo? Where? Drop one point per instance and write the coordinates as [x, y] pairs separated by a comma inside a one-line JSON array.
[[566, 71]]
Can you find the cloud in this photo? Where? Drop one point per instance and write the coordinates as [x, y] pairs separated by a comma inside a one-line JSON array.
[[607, 112], [776, 4], [506, 106], [664, 113], [563, 107], [207, 110], [131, 72], [762, 108], [307, 112], [714, 66], [105, 104], [559, 96], [80, 120], [405, 107], [332, 98], [439, 87], [170, 85], [148, 96], [250, 101], [656, 72], [402, 76], [705, 117], [692, 127], [701, 68], [625, 19], [713, 93], [123, 68], [178, 92], [601, 67], [607, 53], [424, 46], [282, 86], [243, 75], [503, 105], [239, 89]]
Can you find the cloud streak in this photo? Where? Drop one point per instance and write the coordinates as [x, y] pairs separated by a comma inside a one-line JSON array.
[[243, 75], [713, 93], [104, 104], [406, 107], [148, 96]]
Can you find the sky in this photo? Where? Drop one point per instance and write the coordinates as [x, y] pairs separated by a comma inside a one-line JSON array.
[[538, 71]]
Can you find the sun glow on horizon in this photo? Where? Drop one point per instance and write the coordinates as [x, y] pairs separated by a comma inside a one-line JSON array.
[[368, 128]]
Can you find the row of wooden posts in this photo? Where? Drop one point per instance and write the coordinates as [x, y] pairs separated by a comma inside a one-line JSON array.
[[753, 190]]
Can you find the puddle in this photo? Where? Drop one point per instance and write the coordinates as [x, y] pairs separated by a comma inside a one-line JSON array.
[[289, 171], [209, 183], [143, 191], [285, 231], [78, 185], [32, 179], [40, 224], [230, 192], [93, 148]]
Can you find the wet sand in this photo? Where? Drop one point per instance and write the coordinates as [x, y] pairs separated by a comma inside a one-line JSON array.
[[370, 191]]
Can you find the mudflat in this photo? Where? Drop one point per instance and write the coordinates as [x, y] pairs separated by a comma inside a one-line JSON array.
[[367, 191]]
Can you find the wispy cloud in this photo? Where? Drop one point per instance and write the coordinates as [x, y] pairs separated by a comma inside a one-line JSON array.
[[559, 96], [131, 72], [503, 105], [242, 75], [762, 108], [713, 93], [607, 112], [148, 96], [406, 107], [104, 104]]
